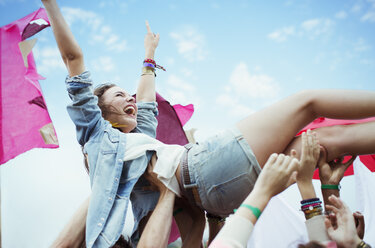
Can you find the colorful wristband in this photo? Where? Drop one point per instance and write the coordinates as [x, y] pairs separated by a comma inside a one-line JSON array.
[[254, 210], [331, 186]]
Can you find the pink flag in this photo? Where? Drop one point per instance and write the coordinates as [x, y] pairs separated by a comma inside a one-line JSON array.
[[368, 160], [24, 119], [171, 119]]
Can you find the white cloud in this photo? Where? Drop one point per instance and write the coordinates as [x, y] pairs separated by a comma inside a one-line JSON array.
[[341, 15], [316, 27], [247, 92], [369, 16], [190, 44], [356, 8], [361, 45], [104, 64], [95, 27], [179, 91], [234, 107], [48, 59], [310, 28], [245, 84], [282, 34]]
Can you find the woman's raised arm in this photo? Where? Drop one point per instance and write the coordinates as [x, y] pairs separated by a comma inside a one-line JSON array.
[[70, 51], [146, 86]]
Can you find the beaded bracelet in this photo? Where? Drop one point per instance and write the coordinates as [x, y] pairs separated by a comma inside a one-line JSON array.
[[309, 200], [310, 206], [307, 203]]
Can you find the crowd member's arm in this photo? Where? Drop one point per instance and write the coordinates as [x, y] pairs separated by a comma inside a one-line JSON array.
[[70, 51], [345, 235], [146, 86], [157, 230], [331, 174], [73, 234], [190, 221], [278, 173]]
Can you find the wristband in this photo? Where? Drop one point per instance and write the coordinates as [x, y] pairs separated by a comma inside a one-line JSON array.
[[256, 211], [331, 186], [148, 65]]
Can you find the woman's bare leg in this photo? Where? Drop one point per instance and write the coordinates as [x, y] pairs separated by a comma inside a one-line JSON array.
[[272, 129], [341, 140]]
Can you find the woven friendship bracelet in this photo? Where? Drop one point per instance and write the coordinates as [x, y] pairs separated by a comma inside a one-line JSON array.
[[151, 61]]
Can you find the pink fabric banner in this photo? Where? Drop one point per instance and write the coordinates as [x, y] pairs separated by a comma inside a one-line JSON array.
[[171, 120], [24, 119], [368, 160]]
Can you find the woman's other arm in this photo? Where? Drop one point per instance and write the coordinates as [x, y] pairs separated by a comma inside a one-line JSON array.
[[70, 51], [146, 86]]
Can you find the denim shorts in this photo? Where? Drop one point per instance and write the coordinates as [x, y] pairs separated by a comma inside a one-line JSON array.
[[224, 169]]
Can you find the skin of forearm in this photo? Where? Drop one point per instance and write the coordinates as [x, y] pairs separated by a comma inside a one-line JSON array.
[[146, 86], [327, 192], [306, 190], [157, 230], [70, 51], [256, 199], [194, 237], [214, 229]]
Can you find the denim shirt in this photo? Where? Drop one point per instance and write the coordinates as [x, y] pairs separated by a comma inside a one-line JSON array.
[[111, 180]]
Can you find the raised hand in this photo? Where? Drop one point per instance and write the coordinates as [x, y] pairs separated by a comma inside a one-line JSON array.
[[309, 156], [333, 172], [276, 174], [151, 42]]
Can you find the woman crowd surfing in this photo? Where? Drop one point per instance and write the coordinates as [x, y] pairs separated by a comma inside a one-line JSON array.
[[215, 176]]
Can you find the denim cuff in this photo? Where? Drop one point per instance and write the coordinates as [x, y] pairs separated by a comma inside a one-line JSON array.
[[76, 83]]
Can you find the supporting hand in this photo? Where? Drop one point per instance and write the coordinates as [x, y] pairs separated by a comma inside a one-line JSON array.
[[276, 175], [345, 235], [309, 159], [333, 172], [309, 156]]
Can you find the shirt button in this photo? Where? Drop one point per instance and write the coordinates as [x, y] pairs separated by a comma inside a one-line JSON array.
[[120, 160], [100, 224], [102, 219], [110, 198], [116, 179]]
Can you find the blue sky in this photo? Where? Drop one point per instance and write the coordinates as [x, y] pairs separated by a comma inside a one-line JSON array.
[[228, 58]]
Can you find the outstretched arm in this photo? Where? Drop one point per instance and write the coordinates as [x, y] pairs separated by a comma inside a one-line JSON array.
[[146, 86], [70, 51], [158, 227]]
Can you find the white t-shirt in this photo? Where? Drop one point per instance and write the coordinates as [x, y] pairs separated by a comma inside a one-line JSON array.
[[168, 157]]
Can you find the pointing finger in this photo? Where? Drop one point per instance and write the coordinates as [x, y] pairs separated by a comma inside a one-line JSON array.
[[148, 27]]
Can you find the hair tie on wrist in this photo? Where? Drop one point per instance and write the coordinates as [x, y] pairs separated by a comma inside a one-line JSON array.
[[331, 186]]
